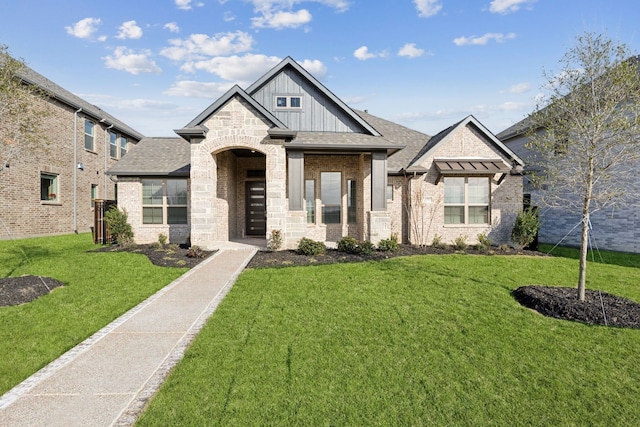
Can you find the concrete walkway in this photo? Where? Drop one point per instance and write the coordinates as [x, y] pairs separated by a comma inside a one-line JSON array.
[[107, 379]]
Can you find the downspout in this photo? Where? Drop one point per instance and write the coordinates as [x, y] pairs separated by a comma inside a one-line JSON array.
[[75, 170], [106, 156]]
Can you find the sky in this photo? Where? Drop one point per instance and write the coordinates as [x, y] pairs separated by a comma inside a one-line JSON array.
[[426, 64]]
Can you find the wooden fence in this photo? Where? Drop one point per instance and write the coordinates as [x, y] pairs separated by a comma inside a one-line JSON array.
[[100, 230]]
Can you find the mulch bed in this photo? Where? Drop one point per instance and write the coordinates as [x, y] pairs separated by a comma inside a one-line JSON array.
[[598, 308], [555, 302]]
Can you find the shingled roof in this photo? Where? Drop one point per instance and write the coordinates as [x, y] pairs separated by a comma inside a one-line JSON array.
[[155, 157], [55, 91]]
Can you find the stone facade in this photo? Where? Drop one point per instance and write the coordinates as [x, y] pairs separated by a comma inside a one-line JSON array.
[[23, 214], [426, 214]]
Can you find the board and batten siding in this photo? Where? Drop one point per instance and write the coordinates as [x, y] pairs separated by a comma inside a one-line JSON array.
[[318, 113]]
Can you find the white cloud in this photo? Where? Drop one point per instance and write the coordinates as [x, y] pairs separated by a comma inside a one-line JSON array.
[[183, 4], [280, 20], [411, 51], [519, 88], [228, 16], [247, 68], [270, 6], [84, 28], [129, 30], [172, 26], [194, 89], [362, 53], [483, 40], [199, 46], [504, 7], [128, 60], [427, 8]]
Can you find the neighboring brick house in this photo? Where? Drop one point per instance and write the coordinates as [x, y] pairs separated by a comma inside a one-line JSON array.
[[49, 189], [287, 154], [614, 228]]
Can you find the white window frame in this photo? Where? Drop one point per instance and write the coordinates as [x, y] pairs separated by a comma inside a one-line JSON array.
[[287, 101], [123, 146], [89, 136], [165, 202], [466, 204], [113, 145], [53, 190]]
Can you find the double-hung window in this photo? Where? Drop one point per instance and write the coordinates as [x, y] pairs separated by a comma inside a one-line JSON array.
[[89, 135], [113, 145], [123, 146], [331, 195], [466, 200], [164, 201]]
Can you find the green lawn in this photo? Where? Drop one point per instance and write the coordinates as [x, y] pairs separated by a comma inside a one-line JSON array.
[[427, 340], [99, 287]]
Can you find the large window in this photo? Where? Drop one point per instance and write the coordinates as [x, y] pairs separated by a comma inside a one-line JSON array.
[[164, 201], [89, 135], [352, 197], [48, 187], [310, 200], [331, 194], [113, 145], [466, 200]]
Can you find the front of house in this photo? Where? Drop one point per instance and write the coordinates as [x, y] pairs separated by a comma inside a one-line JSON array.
[[287, 154]]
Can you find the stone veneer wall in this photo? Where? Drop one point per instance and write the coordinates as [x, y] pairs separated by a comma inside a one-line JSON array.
[[22, 213], [427, 198]]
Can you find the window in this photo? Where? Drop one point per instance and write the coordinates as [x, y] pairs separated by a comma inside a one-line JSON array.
[[352, 197], [88, 135], [289, 102], [390, 192], [310, 200], [94, 195], [466, 200], [48, 187], [330, 189], [123, 146], [113, 145], [164, 201]]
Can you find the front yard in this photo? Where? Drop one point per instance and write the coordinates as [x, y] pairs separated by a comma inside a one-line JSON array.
[[426, 340]]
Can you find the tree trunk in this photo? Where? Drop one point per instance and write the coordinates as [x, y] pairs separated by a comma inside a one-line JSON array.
[[584, 245]]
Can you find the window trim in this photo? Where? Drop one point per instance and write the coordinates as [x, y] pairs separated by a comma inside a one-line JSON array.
[[51, 197], [123, 147], [91, 135], [165, 204], [466, 204], [287, 105], [113, 144]]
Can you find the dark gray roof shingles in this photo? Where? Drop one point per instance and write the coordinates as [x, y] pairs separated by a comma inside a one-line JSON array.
[[155, 156]]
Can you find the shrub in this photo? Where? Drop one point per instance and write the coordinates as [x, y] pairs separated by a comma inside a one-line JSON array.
[[460, 243], [438, 243], [390, 244], [119, 228], [195, 252], [525, 228], [275, 241], [349, 245], [310, 247], [162, 239], [483, 241], [366, 248]]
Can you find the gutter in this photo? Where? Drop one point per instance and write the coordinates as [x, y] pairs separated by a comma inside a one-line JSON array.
[[75, 171], [106, 154]]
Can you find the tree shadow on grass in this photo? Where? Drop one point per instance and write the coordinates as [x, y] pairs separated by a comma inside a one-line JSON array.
[[25, 254]]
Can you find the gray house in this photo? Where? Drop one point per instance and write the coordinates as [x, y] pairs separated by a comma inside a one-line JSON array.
[[287, 154]]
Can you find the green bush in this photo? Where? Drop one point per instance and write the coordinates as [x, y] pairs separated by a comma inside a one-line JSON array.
[[525, 228], [389, 245], [120, 229], [483, 241], [438, 243], [366, 248], [349, 245], [162, 239], [195, 252], [310, 247], [460, 243]]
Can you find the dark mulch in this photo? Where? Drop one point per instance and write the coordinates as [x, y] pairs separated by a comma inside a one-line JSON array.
[[290, 258], [562, 303], [19, 290], [163, 256]]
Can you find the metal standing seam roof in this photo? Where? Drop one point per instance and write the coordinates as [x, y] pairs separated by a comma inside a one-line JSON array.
[[471, 166]]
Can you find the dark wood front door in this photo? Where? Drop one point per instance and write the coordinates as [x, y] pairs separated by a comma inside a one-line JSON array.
[[256, 208]]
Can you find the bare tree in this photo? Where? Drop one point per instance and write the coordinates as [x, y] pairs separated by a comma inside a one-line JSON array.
[[586, 138], [20, 111]]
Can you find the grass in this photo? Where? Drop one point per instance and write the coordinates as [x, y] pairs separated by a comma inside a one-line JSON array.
[[99, 287], [427, 340], [600, 256]]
